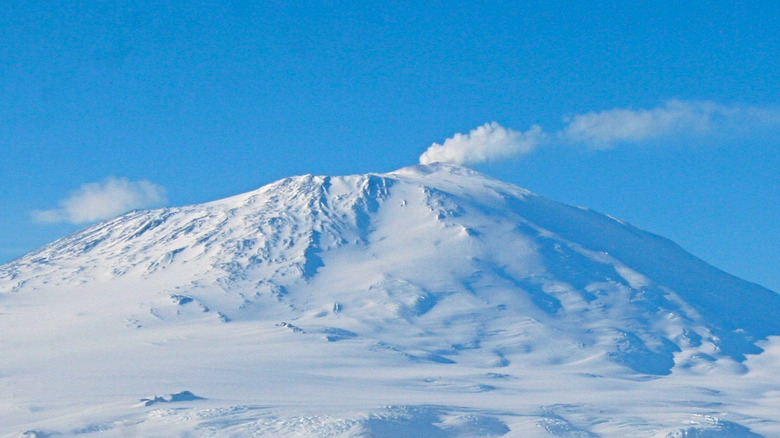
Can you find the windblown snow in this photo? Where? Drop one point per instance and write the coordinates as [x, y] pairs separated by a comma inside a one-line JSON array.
[[432, 301]]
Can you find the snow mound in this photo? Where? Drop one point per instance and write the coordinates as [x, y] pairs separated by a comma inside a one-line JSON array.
[[170, 398], [713, 427]]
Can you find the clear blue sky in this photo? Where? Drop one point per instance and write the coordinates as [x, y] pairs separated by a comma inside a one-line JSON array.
[[211, 99]]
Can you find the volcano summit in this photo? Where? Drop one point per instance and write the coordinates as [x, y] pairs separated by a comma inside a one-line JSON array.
[[432, 301]]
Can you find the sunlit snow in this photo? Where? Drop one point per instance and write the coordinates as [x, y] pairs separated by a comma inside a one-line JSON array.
[[428, 302]]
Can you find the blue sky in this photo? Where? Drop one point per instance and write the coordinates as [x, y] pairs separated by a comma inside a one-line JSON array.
[[663, 114]]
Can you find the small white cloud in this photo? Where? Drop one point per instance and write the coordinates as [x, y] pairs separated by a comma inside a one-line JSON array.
[[692, 121], [686, 119], [98, 201], [488, 142]]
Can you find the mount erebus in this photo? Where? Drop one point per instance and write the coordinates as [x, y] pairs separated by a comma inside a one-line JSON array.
[[428, 302]]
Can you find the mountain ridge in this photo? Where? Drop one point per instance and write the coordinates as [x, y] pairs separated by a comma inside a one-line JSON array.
[[317, 214], [427, 266]]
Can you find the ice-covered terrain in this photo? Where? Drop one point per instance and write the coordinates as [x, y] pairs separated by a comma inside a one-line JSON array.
[[428, 302]]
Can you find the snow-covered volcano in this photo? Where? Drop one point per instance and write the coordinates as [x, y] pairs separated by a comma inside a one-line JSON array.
[[430, 301]]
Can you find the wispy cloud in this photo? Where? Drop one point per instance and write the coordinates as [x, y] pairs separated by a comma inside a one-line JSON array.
[[687, 120], [487, 142], [97, 201]]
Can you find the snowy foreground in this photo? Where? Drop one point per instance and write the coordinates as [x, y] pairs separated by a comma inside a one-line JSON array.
[[428, 302]]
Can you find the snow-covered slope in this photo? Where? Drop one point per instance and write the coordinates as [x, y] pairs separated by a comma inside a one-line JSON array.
[[430, 301]]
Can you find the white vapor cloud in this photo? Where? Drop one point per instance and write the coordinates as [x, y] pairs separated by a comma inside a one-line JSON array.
[[487, 142], [687, 119], [104, 200]]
